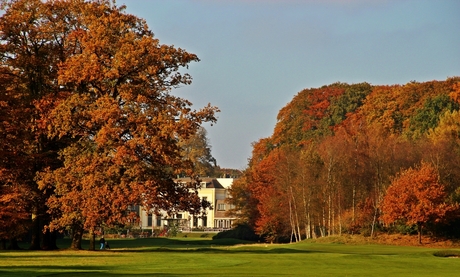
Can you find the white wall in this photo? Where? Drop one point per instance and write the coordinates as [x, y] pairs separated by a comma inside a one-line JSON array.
[[211, 194]]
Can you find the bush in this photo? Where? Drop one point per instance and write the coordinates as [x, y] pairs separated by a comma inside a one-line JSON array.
[[401, 228], [447, 253], [241, 231]]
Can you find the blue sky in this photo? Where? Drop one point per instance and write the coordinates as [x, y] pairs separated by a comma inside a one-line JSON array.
[[256, 55]]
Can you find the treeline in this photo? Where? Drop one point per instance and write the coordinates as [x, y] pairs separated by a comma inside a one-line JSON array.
[[334, 152]]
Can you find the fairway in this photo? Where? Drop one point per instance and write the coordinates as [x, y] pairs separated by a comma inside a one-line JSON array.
[[206, 257]]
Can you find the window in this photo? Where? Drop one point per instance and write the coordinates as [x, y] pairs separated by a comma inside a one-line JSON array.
[[149, 220], [221, 207], [179, 216], [205, 221], [158, 221]]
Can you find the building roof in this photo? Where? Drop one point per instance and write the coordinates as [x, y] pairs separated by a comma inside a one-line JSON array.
[[218, 183]]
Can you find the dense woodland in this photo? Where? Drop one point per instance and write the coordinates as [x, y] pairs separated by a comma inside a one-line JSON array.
[[357, 159], [88, 125]]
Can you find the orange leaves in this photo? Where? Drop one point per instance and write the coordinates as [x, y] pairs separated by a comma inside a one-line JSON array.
[[14, 212], [99, 95], [416, 197], [455, 93], [358, 137]]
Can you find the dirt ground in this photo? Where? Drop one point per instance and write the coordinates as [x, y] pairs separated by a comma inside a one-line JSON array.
[[412, 240], [392, 239]]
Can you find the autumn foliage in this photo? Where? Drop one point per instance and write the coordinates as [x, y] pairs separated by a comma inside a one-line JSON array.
[[89, 127], [88, 122], [336, 150], [416, 197]]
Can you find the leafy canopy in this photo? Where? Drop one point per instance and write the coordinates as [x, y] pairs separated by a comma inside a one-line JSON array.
[[97, 84]]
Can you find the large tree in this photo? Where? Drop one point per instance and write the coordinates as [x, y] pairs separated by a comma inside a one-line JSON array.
[[31, 47], [106, 105]]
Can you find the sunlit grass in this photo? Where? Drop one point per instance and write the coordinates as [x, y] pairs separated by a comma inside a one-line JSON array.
[[194, 256]]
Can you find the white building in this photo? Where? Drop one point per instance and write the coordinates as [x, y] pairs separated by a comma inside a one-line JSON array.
[[213, 190]]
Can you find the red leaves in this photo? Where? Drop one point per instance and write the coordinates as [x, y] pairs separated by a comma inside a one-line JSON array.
[[319, 100], [416, 197]]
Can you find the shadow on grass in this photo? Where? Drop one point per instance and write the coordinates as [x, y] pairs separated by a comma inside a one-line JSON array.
[[92, 274], [194, 245], [447, 253], [72, 271], [59, 254], [48, 269], [163, 244], [217, 250]]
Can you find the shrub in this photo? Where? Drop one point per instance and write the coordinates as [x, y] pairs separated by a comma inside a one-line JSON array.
[[241, 231]]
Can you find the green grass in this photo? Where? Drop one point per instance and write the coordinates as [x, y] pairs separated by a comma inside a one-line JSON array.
[[197, 256]]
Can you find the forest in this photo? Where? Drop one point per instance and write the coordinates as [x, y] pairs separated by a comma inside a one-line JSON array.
[[357, 159]]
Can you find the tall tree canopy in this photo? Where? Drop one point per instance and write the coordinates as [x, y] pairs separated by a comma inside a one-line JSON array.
[[96, 85]]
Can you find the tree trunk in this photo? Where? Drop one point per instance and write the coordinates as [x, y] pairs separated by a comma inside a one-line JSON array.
[[323, 227], [373, 221], [35, 231], [92, 239], [296, 217], [291, 220], [309, 227], [419, 229], [49, 240], [77, 235], [307, 214], [353, 214], [13, 245], [339, 217], [329, 196], [329, 214]]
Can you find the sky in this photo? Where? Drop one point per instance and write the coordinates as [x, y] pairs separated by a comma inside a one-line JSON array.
[[256, 55]]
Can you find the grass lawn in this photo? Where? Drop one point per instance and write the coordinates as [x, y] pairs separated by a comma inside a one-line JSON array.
[[196, 256]]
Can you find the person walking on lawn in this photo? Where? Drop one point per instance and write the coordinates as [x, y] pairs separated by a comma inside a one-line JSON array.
[[102, 242]]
